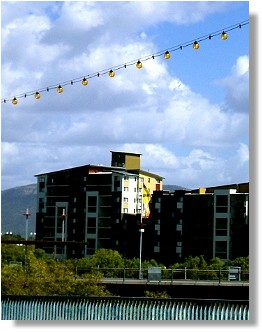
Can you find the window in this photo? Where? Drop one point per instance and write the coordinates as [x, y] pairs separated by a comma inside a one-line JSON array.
[[91, 225], [125, 188], [41, 205], [221, 209], [221, 200], [92, 209], [221, 249], [179, 228], [126, 199], [91, 230], [91, 222], [41, 184], [178, 250], [92, 200], [91, 246], [221, 226]]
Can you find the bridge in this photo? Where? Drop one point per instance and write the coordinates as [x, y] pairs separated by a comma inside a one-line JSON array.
[[201, 289]]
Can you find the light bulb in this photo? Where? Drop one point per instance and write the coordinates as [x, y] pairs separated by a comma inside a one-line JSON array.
[[139, 64], [224, 35], [111, 73], [167, 55], [59, 89], [84, 81], [196, 45], [37, 95], [14, 101]]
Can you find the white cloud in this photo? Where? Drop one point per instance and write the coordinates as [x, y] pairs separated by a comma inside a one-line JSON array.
[[237, 85], [154, 111]]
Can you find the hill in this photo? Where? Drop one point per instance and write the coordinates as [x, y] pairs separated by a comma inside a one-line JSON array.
[[15, 201]]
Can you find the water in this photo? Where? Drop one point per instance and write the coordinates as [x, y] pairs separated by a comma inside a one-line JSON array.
[[114, 308]]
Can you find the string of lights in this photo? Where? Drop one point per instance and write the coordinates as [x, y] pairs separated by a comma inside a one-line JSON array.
[[195, 43]]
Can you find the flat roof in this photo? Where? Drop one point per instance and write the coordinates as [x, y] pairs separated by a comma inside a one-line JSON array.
[[108, 168], [127, 153], [83, 166]]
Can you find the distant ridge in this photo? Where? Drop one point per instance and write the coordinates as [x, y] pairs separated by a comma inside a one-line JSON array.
[[15, 201], [171, 187]]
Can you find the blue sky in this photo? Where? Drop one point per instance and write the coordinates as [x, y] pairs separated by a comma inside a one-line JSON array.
[[188, 116]]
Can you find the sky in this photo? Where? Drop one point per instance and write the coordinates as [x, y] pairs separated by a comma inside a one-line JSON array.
[[188, 116]]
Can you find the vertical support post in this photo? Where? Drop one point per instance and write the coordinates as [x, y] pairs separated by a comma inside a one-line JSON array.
[[63, 230], [141, 230], [27, 214], [63, 225]]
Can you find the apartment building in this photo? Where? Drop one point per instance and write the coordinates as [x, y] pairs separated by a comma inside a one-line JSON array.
[[213, 222], [82, 209]]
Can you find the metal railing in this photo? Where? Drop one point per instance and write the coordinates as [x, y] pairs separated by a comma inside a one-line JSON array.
[[166, 274]]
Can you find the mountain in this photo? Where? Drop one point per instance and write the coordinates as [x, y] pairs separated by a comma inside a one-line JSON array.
[[15, 201], [173, 187]]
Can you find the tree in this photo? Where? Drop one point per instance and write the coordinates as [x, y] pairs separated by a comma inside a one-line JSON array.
[[12, 252], [42, 276], [109, 260], [88, 285]]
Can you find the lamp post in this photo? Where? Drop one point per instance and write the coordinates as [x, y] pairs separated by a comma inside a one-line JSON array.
[[27, 214], [63, 225], [63, 228], [141, 230]]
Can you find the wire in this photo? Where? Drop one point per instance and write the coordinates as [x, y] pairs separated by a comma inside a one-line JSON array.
[[130, 63]]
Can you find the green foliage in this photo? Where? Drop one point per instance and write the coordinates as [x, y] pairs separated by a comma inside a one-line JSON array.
[[12, 252], [242, 262], [88, 285], [106, 259], [34, 273], [43, 276], [158, 295], [13, 280]]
